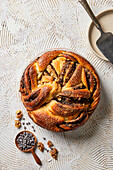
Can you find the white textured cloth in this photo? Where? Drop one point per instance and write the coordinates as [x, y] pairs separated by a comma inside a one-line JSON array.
[[29, 27]]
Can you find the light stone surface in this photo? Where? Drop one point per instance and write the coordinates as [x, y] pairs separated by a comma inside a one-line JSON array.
[[27, 28]]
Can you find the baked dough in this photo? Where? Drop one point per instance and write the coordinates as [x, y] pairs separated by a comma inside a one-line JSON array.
[[60, 90]]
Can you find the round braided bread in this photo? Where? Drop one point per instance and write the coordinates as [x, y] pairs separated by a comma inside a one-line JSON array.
[[60, 90]]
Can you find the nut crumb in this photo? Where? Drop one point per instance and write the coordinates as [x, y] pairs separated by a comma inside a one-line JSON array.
[[19, 114], [50, 144], [17, 123], [40, 146], [54, 153]]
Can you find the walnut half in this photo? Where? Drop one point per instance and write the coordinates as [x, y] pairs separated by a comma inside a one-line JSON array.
[[54, 153], [50, 144], [40, 146], [19, 114], [17, 123]]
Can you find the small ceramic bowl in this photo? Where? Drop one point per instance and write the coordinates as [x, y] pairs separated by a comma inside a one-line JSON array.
[[106, 20]]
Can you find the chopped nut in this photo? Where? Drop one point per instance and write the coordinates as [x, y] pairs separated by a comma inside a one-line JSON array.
[[17, 123], [40, 146], [19, 114], [50, 144], [54, 153]]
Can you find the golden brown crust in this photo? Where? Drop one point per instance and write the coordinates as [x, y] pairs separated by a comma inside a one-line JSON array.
[[60, 90]]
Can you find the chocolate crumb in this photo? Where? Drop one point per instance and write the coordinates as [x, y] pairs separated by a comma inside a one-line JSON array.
[[40, 146], [50, 144], [32, 127], [44, 138], [25, 127], [23, 118], [23, 123], [34, 130]]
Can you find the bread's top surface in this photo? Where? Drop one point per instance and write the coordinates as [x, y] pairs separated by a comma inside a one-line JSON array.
[[60, 87]]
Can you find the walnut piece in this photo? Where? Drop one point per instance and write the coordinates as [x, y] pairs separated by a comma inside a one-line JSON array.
[[54, 153], [40, 146], [50, 144], [17, 123], [19, 114]]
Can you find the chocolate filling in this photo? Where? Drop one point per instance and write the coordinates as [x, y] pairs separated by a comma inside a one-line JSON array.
[[70, 72], [79, 86], [79, 120], [72, 101], [63, 71], [32, 97], [95, 83], [72, 124], [53, 69], [29, 80], [47, 72]]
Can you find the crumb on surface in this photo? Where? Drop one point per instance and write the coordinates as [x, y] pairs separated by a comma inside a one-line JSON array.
[[50, 144], [44, 138], [54, 153], [19, 114], [17, 123]]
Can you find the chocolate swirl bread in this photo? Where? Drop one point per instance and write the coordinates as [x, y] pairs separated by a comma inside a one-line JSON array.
[[60, 90]]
